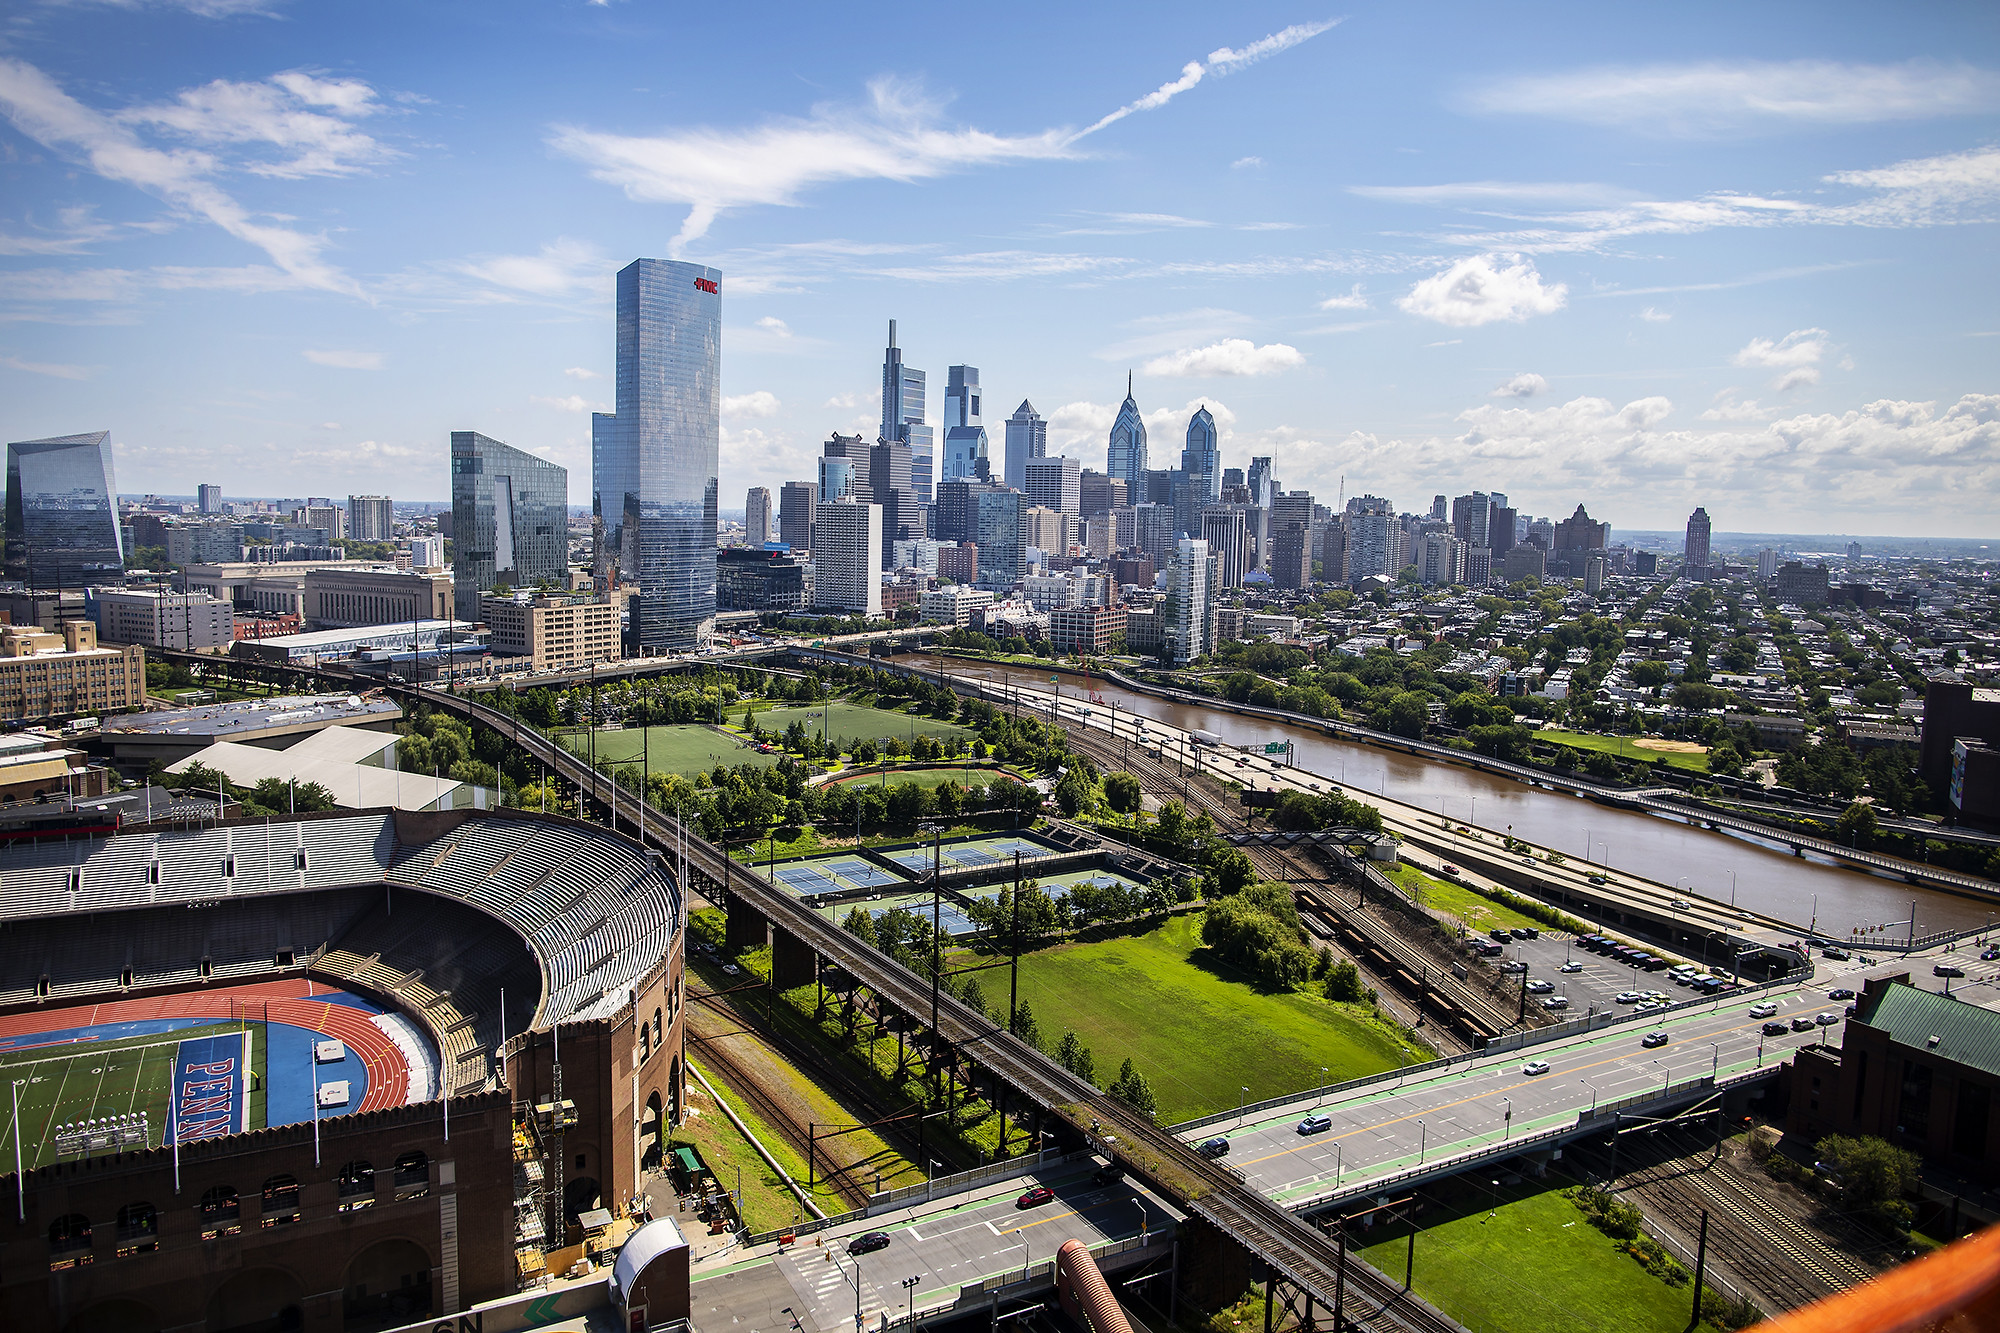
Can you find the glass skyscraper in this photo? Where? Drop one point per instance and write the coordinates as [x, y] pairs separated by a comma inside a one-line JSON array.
[[1126, 457], [1202, 459], [654, 461], [62, 513], [509, 519], [1027, 437], [903, 417], [964, 434]]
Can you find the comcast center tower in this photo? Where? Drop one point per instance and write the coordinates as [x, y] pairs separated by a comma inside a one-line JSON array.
[[654, 460]]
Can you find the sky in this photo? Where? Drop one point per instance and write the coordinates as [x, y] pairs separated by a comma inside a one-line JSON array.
[[1740, 256]]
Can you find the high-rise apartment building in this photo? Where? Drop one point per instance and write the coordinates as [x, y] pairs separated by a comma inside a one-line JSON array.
[[1027, 437], [847, 563], [1055, 483], [955, 516], [1374, 539], [1099, 494], [1470, 518], [510, 510], [1189, 593], [654, 461], [1044, 529], [1500, 522], [62, 513], [964, 431], [1202, 458], [188, 621], [903, 416], [1155, 532], [1224, 528], [796, 502], [371, 518], [1767, 564], [1333, 551], [860, 457], [998, 536], [757, 515], [1443, 561], [1694, 551], [208, 499], [1125, 456], [1291, 556]]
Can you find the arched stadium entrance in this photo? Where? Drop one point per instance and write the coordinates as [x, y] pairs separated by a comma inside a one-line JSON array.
[[257, 1300], [388, 1284], [652, 1135]]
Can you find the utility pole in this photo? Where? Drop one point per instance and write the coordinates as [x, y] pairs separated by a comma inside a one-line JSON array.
[[1700, 1263]]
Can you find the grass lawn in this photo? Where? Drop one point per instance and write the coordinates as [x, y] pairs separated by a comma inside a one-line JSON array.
[[933, 777], [1199, 1033], [686, 748], [851, 721], [1477, 911], [1625, 747], [1538, 1265]]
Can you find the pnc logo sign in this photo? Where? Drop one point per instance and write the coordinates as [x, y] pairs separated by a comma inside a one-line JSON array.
[[706, 285]]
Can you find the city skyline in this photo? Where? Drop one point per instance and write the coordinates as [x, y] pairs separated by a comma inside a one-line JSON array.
[[1700, 258]]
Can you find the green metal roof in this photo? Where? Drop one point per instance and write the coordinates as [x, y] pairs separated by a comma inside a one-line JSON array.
[[1966, 1034]]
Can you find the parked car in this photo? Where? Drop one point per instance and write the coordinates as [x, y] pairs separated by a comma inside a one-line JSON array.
[[1539, 987], [1316, 1124], [1826, 1018], [1800, 1023], [1526, 933], [1213, 1148], [1764, 1010], [1556, 1002], [868, 1242], [731, 970], [1035, 1197], [1570, 969], [1774, 1028], [1534, 1067], [1500, 933], [1652, 1039]]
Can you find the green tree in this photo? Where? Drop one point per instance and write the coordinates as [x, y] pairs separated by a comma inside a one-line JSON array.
[[1131, 1088], [1874, 1175], [1122, 793], [861, 926], [1407, 712], [1074, 1056], [1025, 1027], [1343, 983], [1856, 826]]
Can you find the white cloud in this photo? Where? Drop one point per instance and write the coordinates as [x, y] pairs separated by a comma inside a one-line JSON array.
[[1231, 356], [52, 369], [844, 400], [1652, 316], [1242, 163], [1447, 342], [1487, 193], [1221, 61], [208, 9], [574, 402], [76, 232], [582, 373], [1521, 386], [1728, 407], [1797, 355], [761, 403], [344, 360], [1354, 300], [1722, 97], [563, 266], [774, 326], [43, 112], [1481, 289], [301, 115]]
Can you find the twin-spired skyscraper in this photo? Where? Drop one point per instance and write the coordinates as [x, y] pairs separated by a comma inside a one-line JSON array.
[[654, 460]]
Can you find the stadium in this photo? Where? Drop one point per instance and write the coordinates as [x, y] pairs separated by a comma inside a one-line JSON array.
[[327, 1072]]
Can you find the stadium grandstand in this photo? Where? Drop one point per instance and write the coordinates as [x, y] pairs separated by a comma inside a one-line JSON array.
[[432, 952]]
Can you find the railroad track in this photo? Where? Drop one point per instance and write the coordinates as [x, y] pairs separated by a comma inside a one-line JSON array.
[[722, 1061]]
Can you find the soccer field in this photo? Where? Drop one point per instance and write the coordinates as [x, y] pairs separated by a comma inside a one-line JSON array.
[[688, 748], [855, 722], [93, 1080]]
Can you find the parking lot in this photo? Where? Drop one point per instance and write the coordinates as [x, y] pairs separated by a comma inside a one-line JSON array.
[[1598, 980]]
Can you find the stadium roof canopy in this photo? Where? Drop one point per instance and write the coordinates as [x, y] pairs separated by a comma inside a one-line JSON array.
[[335, 759]]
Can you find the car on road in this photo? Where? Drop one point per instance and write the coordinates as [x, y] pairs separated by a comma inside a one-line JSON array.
[[1988, 955], [1947, 970], [1556, 1002], [1774, 1028], [1035, 1197], [1213, 1148], [1108, 1174], [1570, 969], [1826, 1018], [1316, 1124], [1535, 1067], [1652, 1039], [1445, 868], [1837, 954], [731, 970], [1677, 903], [1630, 997], [868, 1242], [1840, 993], [1539, 987], [1800, 1023], [1764, 1010], [1597, 879]]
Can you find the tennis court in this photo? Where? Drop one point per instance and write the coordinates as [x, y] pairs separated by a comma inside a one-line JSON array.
[[1058, 886], [971, 852], [951, 918], [843, 872]]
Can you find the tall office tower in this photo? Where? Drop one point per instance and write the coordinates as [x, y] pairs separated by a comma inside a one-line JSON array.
[[209, 498], [371, 518], [1470, 515], [1767, 564], [1156, 532], [1232, 477], [1291, 556], [1291, 507], [329, 518], [1439, 510], [1228, 537], [999, 538], [1333, 552], [1694, 553], [836, 481], [510, 511], [1027, 437], [889, 472], [1260, 481], [860, 454], [955, 515], [796, 502], [1045, 530], [1125, 457], [1575, 538], [1055, 483], [62, 513], [903, 416], [757, 515], [654, 461], [1097, 493], [847, 562], [964, 433], [1499, 530], [1188, 596], [1202, 459]]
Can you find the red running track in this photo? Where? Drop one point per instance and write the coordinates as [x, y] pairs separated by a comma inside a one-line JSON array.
[[269, 1001]]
